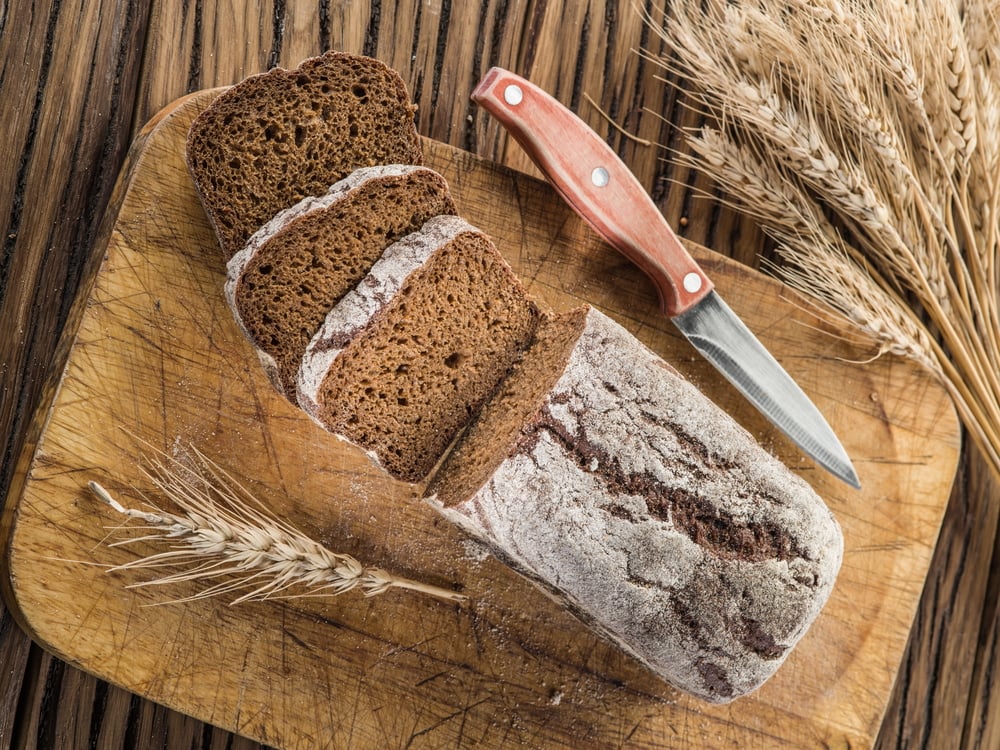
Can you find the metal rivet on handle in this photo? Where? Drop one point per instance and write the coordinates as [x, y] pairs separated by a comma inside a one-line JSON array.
[[513, 94], [600, 176], [692, 282]]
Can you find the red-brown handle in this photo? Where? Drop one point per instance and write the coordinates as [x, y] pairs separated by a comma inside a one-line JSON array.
[[594, 181]]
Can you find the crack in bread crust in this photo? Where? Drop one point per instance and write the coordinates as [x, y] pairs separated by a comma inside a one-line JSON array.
[[704, 523]]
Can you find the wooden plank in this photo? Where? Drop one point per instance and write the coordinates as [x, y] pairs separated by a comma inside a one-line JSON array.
[[952, 644], [51, 223], [982, 727], [18, 672], [69, 72], [158, 355]]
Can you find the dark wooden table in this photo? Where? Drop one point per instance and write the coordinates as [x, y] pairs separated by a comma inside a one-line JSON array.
[[77, 82]]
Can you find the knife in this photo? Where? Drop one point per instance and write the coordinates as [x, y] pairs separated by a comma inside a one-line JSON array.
[[600, 188]]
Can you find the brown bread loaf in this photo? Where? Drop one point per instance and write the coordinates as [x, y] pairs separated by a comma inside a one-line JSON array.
[[574, 453]]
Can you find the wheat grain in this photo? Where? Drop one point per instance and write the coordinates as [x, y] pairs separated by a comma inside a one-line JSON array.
[[941, 54], [838, 280], [223, 536]]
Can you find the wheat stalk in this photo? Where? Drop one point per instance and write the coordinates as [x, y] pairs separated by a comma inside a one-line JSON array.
[[864, 137], [224, 536]]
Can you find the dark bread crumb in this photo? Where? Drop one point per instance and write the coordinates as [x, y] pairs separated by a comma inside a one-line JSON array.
[[282, 287], [280, 136], [495, 430], [413, 378]]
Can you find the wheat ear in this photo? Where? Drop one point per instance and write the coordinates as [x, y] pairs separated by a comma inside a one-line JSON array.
[[224, 536]]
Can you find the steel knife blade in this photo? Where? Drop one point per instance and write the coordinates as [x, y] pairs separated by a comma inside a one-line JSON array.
[[591, 178]]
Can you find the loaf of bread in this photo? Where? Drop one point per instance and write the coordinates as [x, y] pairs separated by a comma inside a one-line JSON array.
[[296, 267], [604, 476], [404, 360], [278, 137], [572, 451]]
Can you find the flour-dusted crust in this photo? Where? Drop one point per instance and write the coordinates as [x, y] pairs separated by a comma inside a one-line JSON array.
[[659, 520]]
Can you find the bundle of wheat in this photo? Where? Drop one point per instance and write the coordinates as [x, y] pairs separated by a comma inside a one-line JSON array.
[[865, 139]]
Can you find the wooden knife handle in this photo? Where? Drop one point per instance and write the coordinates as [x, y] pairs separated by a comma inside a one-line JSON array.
[[596, 183]]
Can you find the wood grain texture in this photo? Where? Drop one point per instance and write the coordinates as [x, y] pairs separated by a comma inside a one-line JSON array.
[[957, 618], [159, 360], [79, 79]]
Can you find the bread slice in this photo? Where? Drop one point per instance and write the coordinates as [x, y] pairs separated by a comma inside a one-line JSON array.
[[404, 360], [277, 137], [604, 476], [295, 268], [492, 435]]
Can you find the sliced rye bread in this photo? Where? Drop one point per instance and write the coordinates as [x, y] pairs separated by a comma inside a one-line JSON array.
[[278, 137], [574, 453], [601, 474], [403, 361], [296, 267]]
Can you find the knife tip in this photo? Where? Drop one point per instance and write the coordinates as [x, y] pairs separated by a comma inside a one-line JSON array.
[[844, 471]]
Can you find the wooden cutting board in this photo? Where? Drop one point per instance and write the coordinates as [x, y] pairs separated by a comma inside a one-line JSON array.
[[159, 360]]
